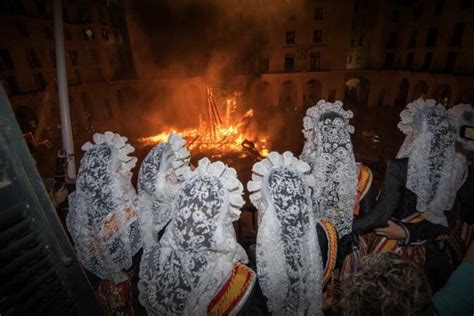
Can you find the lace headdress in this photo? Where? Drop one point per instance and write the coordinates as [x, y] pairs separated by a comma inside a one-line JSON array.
[[195, 257], [332, 163], [310, 122], [102, 219], [407, 124], [160, 176], [435, 170], [289, 263], [462, 114]]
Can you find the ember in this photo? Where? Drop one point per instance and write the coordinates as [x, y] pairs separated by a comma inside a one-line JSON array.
[[218, 136]]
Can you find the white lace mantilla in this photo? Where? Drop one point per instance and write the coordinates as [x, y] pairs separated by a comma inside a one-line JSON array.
[[310, 122], [332, 162], [195, 257], [462, 114], [407, 124], [160, 177], [102, 216], [435, 170], [289, 263]]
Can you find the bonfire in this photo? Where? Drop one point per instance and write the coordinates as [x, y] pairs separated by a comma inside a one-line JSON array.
[[217, 136]]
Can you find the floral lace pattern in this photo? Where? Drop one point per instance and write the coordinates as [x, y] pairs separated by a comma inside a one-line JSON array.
[[435, 171], [289, 262], [335, 173], [195, 256], [102, 219], [158, 183]]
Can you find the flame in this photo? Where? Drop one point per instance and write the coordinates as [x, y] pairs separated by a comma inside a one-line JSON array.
[[217, 137]]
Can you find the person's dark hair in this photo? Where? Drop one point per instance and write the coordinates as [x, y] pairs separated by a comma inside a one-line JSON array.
[[386, 285], [330, 115]]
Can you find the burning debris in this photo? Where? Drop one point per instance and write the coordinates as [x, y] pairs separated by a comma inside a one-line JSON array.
[[216, 135]]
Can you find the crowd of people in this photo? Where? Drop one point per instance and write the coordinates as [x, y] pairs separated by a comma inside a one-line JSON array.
[[327, 241]]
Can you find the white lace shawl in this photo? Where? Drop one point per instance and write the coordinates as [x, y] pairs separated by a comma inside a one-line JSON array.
[[195, 257], [435, 170], [102, 219], [289, 263], [332, 162], [407, 124], [462, 114], [159, 178]]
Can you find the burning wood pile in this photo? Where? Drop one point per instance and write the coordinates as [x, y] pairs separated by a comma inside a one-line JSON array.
[[217, 135]]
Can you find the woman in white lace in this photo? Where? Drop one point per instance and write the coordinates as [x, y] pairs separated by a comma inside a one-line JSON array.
[[417, 202], [102, 219], [328, 150], [195, 257], [289, 263], [159, 179]]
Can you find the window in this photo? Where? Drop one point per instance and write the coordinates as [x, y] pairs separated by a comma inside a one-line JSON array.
[[427, 61], [23, 29], [48, 34], [73, 55], [465, 4], [32, 59], [361, 40], [52, 55], [392, 40], [354, 25], [395, 16], [289, 62], [417, 12], [88, 34], [352, 42], [317, 36], [431, 37], [103, 16], [439, 7], [318, 14], [66, 16], [290, 37], [264, 65], [389, 59], [456, 40], [358, 59], [94, 56], [349, 59], [39, 81], [315, 62], [84, 15], [451, 61], [105, 34], [6, 61], [410, 60], [412, 42]]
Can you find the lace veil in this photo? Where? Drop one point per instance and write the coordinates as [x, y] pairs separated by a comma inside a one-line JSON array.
[[435, 170], [332, 163], [195, 257], [160, 176], [462, 114], [289, 263], [102, 219]]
